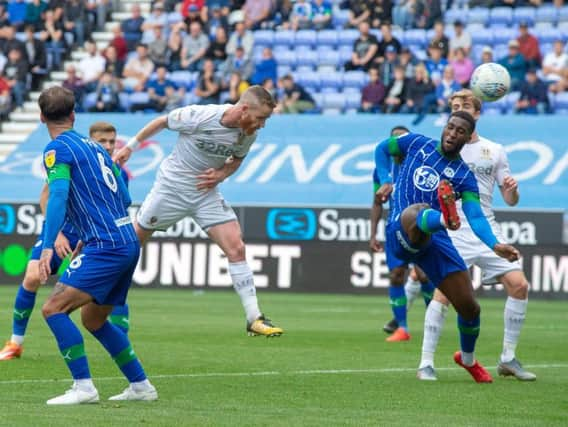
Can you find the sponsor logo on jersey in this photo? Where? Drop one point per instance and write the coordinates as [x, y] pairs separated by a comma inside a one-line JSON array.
[[49, 158], [291, 224], [426, 178], [7, 219], [449, 172]]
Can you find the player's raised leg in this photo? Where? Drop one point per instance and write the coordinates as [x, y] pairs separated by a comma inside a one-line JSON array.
[[516, 286], [228, 237]]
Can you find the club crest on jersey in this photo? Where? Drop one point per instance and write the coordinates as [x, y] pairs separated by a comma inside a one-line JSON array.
[[485, 153], [49, 158], [426, 178], [449, 172]]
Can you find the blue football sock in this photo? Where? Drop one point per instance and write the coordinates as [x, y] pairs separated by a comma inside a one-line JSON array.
[[429, 220], [397, 297], [23, 307], [117, 344], [427, 291], [119, 317], [469, 331], [70, 343]]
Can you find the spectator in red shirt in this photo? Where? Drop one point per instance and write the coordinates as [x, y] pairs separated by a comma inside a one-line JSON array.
[[528, 45], [5, 98], [119, 43], [373, 94], [197, 4]]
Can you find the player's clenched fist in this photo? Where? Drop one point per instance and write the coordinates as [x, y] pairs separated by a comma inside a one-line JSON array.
[[122, 156], [510, 184], [210, 178], [508, 252], [384, 192]]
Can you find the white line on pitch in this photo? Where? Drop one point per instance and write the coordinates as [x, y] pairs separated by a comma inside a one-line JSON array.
[[268, 373]]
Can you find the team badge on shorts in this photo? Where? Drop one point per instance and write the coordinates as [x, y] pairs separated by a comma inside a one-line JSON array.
[[49, 158], [153, 220]]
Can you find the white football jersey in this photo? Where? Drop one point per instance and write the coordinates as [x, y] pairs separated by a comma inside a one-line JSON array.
[[488, 161], [203, 143]]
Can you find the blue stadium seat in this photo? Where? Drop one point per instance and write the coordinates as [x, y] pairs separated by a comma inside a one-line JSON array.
[[263, 37], [494, 108], [328, 89], [183, 78], [563, 14], [311, 80], [190, 98], [329, 57], [476, 51], [347, 37], [339, 18], [345, 53], [306, 38], [306, 57], [304, 69], [335, 101], [547, 35], [352, 99], [333, 80], [89, 101], [327, 38], [499, 16], [417, 37], [560, 101], [286, 57], [483, 36], [397, 33], [124, 99], [546, 13], [284, 38], [139, 98], [500, 51], [356, 79], [452, 15], [503, 35], [510, 100], [546, 48], [282, 70], [477, 14], [526, 14]]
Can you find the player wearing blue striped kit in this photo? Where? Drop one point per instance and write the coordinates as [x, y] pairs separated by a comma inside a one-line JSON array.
[[86, 186], [423, 207]]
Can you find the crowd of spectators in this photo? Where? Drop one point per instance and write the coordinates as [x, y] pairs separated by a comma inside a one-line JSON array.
[[150, 56]]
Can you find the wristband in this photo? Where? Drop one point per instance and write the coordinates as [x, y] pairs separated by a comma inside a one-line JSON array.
[[133, 143]]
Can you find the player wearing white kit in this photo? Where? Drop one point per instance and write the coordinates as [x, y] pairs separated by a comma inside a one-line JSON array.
[[488, 161], [212, 143]]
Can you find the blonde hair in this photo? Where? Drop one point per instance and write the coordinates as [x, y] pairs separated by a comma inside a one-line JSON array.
[[466, 95], [101, 127], [257, 95]]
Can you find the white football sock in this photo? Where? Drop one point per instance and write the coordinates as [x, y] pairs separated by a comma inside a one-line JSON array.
[[467, 358], [412, 288], [433, 322], [515, 312], [18, 339], [244, 285]]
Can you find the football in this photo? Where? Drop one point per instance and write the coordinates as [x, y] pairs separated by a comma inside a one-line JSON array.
[[490, 81]]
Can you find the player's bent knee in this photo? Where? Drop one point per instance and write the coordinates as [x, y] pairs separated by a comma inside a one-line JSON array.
[[92, 324], [470, 310], [441, 298], [236, 252], [397, 276]]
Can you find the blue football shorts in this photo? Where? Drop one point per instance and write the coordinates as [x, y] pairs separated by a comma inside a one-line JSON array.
[[437, 259], [103, 273], [55, 260]]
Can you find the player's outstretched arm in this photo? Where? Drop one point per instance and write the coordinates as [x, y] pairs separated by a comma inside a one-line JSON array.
[[151, 129]]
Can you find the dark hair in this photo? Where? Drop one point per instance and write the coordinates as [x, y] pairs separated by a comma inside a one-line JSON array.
[[401, 128], [465, 116], [56, 103]]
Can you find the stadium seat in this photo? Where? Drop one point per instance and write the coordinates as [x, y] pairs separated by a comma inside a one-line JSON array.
[[494, 108], [310, 80], [333, 101], [510, 100], [318, 98], [546, 13], [327, 38], [560, 101], [526, 14], [339, 18], [305, 38], [306, 57], [183, 78], [499, 16], [547, 35], [345, 53], [563, 14], [304, 69], [284, 38], [282, 70], [483, 36], [504, 35], [477, 14], [190, 98], [139, 98], [356, 79], [333, 80], [329, 57], [352, 100], [500, 51], [417, 37], [452, 15], [124, 99], [263, 38], [286, 57], [347, 37], [89, 101]]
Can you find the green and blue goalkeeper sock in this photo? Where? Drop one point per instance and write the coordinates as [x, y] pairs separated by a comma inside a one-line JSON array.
[[70, 343], [119, 317], [397, 298], [118, 346], [23, 307], [429, 220]]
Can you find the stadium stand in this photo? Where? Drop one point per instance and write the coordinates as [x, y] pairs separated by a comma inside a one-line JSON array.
[[315, 57]]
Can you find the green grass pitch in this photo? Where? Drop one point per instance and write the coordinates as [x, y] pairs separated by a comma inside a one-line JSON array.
[[331, 368]]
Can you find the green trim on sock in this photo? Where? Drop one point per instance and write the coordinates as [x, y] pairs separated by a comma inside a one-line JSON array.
[[424, 221], [468, 196], [469, 330], [120, 321], [22, 314], [73, 353], [398, 302], [125, 356]]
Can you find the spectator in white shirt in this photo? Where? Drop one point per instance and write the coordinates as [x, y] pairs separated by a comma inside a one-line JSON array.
[[461, 39], [92, 66], [241, 37], [138, 69], [555, 66]]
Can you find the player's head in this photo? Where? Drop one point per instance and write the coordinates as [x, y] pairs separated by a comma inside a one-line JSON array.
[[105, 134], [399, 130], [56, 106], [255, 106], [457, 132], [465, 100]]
